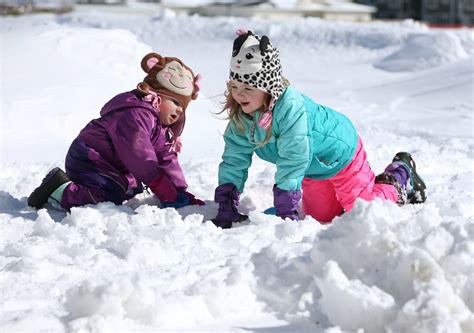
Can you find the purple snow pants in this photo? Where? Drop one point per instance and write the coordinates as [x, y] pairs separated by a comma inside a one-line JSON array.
[[94, 179], [328, 198]]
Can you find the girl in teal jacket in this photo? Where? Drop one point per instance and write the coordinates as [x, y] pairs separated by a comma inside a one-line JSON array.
[[316, 149]]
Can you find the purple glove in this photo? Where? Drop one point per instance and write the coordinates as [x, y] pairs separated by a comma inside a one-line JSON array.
[[286, 203], [227, 196]]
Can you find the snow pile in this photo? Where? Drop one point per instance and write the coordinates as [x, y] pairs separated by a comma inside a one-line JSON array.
[[131, 269], [136, 267], [413, 274], [49, 94], [424, 51]]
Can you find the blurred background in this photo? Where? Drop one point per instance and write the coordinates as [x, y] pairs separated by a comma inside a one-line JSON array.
[[443, 13]]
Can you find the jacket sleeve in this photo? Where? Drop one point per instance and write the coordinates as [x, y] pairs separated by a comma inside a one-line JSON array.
[[236, 159], [169, 164], [131, 138], [293, 145]]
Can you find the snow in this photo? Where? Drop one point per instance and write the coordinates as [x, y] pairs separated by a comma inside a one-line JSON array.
[[137, 267], [425, 51]]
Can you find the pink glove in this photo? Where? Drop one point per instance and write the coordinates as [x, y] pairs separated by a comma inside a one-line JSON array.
[[170, 196], [163, 188], [193, 200]]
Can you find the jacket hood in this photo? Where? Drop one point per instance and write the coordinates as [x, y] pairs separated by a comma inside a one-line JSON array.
[[133, 99], [124, 101]]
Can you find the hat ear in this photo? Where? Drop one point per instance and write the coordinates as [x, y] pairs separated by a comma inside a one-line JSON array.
[[150, 60], [197, 86], [264, 42]]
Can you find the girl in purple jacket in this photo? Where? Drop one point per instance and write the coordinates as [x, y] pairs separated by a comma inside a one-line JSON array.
[[135, 141]]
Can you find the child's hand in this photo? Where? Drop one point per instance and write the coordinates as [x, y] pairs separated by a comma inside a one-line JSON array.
[[225, 218], [164, 189], [183, 198], [286, 203], [193, 200], [227, 196], [170, 196]]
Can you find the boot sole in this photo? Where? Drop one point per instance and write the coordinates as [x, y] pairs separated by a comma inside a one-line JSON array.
[[419, 186], [39, 197]]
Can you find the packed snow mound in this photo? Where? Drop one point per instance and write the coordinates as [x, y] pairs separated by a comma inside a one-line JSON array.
[[373, 35], [424, 51], [395, 47], [292, 32], [64, 92], [412, 276], [136, 267]]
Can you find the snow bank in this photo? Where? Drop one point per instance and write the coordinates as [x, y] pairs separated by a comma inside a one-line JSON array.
[[424, 51], [55, 79], [136, 267], [401, 281]]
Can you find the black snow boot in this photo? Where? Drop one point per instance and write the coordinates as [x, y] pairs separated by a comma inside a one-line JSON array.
[[416, 194], [50, 183], [386, 178]]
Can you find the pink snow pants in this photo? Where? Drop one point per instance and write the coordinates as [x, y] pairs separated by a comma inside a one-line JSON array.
[[328, 198]]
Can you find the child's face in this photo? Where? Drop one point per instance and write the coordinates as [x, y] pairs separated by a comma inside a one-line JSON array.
[[170, 110], [249, 98]]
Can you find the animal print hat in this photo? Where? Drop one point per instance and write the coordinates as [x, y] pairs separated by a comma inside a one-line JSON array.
[[256, 62], [169, 76]]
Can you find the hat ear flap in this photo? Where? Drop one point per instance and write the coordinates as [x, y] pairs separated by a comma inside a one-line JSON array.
[[150, 60]]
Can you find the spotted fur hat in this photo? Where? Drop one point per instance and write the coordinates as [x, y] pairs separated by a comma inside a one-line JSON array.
[[256, 62]]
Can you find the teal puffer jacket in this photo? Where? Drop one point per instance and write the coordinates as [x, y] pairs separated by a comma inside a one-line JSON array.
[[308, 141]]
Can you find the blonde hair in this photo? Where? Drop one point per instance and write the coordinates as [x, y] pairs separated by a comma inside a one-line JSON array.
[[235, 113]]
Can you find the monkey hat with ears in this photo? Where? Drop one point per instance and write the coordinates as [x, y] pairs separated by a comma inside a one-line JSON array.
[[169, 76]]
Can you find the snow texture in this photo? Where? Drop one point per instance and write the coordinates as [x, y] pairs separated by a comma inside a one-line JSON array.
[[136, 267]]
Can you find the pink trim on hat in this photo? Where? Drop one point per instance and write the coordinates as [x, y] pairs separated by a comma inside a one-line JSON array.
[[265, 118], [272, 104], [151, 62], [152, 97], [177, 145], [241, 32]]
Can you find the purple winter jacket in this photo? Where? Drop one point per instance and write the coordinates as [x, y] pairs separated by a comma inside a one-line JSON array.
[[123, 148]]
